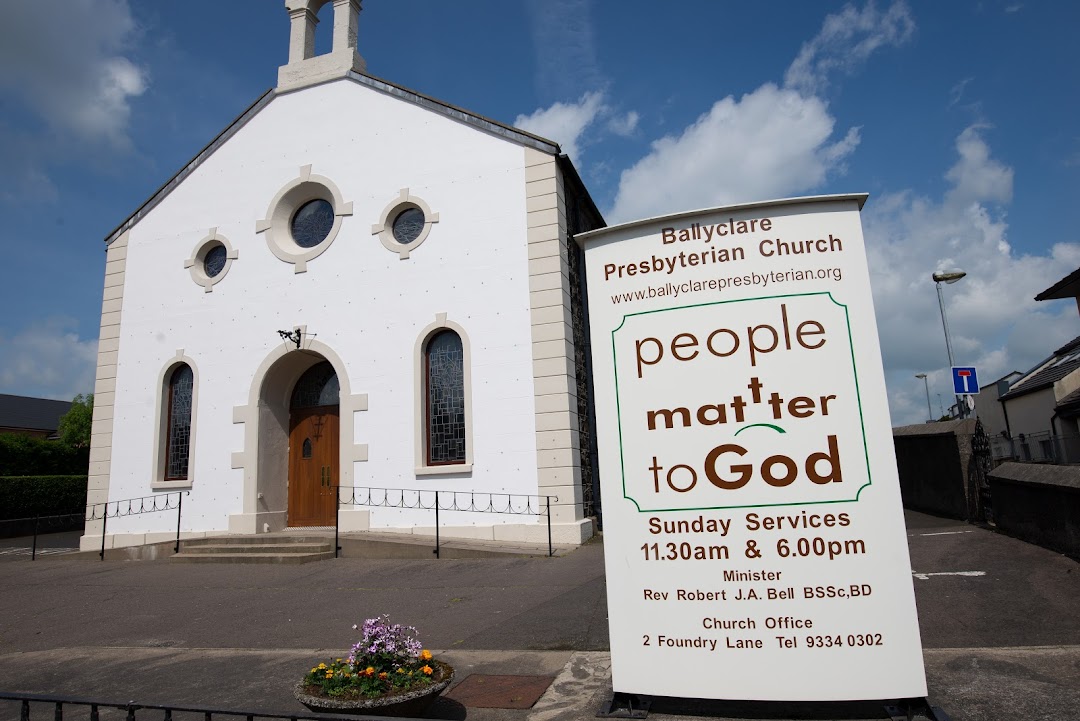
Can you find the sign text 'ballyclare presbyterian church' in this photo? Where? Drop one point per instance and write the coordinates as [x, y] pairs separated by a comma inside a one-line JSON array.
[[752, 512]]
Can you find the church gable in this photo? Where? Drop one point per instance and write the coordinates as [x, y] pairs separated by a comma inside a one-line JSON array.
[[413, 251]]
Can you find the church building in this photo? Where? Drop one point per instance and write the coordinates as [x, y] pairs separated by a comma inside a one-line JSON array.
[[353, 285]]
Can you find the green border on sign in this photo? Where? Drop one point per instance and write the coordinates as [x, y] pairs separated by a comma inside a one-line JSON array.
[[858, 398]]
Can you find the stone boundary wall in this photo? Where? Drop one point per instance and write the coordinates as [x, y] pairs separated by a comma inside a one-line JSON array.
[[933, 461], [1038, 503]]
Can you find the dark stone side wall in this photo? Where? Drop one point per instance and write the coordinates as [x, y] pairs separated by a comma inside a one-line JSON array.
[[933, 461], [1038, 503]]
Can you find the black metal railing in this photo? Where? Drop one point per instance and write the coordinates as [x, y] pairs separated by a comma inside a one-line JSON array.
[[137, 506], [37, 525], [442, 501], [172, 501], [53, 708]]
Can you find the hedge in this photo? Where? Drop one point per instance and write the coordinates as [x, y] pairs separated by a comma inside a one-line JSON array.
[[28, 456], [29, 496]]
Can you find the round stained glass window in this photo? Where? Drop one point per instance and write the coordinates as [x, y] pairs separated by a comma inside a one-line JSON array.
[[214, 261], [312, 223], [408, 225]]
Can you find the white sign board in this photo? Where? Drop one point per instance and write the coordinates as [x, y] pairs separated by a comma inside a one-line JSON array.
[[753, 530]]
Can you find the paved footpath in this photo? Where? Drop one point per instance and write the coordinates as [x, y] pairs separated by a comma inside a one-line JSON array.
[[998, 617]]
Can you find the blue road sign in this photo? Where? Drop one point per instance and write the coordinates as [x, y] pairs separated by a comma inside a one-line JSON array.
[[964, 380]]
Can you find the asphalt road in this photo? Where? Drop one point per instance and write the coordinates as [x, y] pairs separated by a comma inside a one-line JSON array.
[[998, 619]]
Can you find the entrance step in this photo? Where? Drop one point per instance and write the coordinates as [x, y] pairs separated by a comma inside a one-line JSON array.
[[254, 549]]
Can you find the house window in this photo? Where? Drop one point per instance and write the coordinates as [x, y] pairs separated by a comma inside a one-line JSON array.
[[444, 373], [178, 434]]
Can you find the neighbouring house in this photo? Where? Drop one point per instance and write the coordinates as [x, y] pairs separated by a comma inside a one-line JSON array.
[[26, 416], [1041, 407], [353, 285], [987, 408]]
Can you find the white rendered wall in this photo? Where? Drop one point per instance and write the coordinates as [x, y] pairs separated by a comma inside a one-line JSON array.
[[358, 298]]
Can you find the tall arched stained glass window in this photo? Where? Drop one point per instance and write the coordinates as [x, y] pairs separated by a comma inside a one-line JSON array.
[[178, 437], [444, 366]]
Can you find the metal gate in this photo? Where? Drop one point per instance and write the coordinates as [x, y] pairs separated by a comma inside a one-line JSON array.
[[979, 502]]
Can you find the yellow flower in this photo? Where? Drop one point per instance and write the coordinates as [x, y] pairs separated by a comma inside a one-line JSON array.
[[313, 670], [400, 670], [427, 670], [339, 660], [322, 665], [425, 655]]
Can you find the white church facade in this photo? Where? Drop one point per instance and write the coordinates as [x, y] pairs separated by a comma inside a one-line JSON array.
[[354, 285]]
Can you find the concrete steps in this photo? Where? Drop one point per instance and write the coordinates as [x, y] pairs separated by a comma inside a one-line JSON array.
[[255, 549]]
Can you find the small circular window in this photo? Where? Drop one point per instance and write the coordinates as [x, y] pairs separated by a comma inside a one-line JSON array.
[[405, 224], [312, 222], [408, 225], [214, 260], [210, 260]]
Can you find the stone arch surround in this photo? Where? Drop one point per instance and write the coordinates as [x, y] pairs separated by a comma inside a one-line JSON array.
[[266, 432]]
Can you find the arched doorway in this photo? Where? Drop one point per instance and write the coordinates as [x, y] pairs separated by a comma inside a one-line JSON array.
[[313, 447]]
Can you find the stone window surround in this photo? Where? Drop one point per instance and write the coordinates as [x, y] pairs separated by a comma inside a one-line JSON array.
[[420, 397], [161, 428], [195, 264], [385, 227], [278, 220]]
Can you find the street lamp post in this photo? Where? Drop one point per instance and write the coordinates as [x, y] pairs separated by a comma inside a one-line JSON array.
[[949, 278], [926, 385]]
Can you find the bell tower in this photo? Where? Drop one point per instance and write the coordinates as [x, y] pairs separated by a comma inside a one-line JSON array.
[[306, 68]]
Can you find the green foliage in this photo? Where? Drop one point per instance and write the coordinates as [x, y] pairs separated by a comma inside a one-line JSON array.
[[29, 496], [75, 424], [27, 456]]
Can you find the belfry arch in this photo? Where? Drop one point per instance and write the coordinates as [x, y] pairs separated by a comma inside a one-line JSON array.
[[305, 67]]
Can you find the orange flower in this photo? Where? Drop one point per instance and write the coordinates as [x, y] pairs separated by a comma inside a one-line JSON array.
[[384, 675], [427, 670], [369, 671], [425, 655]]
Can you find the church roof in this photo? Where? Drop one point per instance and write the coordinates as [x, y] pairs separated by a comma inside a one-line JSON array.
[[515, 135]]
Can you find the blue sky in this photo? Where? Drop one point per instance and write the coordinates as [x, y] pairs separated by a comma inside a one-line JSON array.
[[958, 118]]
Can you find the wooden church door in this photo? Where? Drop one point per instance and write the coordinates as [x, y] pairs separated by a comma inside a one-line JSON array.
[[313, 466], [313, 448]]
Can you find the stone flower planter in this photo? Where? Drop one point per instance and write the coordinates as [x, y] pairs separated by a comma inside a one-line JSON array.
[[405, 703]]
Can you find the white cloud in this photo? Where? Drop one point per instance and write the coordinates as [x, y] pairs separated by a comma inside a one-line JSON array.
[[769, 143], [565, 123], [624, 125], [48, 360], [994, 320], [65, 60], [976, 177], [845, 41]]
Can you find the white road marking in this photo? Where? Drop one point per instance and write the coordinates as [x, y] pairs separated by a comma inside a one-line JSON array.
[[926, 576], [19, 551], [945, 533]]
